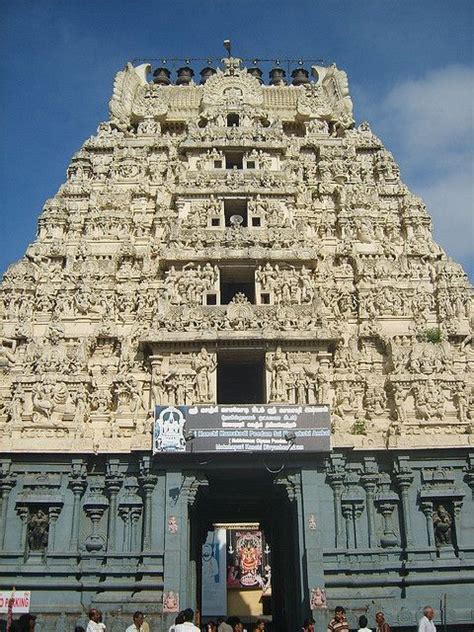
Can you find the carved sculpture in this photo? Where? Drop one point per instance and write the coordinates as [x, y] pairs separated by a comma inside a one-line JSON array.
[[354, 303], [38, 527], [442, 523]]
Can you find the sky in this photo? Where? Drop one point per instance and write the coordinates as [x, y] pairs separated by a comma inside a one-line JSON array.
[[410, 65]]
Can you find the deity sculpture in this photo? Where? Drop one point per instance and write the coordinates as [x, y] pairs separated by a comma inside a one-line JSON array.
[[442, 523], [279, 367], [38, 527], [204, 365]]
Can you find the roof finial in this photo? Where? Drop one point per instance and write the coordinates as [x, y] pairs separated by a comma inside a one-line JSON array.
[[227, 46]]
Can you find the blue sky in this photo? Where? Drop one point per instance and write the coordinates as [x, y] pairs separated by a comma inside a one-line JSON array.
[[410, 67]]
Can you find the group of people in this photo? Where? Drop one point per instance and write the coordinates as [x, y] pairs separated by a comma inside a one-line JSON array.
[[339, 622], [184, 622]]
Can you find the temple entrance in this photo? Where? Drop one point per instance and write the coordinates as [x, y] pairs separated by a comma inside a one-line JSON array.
[[250, 515]]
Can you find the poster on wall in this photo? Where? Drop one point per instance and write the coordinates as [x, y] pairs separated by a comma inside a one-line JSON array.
[[213, 574], [21, 601], [248, 560], [243, 428]]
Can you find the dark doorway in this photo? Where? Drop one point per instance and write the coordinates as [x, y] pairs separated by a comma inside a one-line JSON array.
[[238, 495], [240, 377]]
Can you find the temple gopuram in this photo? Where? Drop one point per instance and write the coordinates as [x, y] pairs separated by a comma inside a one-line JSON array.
[[236, 370]]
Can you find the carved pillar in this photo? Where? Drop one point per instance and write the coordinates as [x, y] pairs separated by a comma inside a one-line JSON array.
[[124, 513], [369, 483], [352, 504], [95, 506], [335, 479], [113, 483], [386, 500], [404, 479], [7, 482], [357, 508], [427, 509], [77, 484], [54, 511], [347, 513], [148, 482], [130, 509], [24, 514], [135, 514]]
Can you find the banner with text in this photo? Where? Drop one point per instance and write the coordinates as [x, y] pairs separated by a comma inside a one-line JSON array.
[[252, 428], [21, 601]]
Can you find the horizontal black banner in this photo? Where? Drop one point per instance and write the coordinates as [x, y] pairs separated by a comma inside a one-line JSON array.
[[242, 428]]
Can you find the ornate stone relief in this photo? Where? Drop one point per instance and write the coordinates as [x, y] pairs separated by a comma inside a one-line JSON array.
[[354, 302]]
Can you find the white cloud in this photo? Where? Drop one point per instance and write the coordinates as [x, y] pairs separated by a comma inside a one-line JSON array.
[[434, 112], [428, 123]]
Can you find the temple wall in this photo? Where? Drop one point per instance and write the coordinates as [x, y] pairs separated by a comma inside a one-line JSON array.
[[369, 557]]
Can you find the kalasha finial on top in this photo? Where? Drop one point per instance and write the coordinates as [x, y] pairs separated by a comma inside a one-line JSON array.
[[228, 47]]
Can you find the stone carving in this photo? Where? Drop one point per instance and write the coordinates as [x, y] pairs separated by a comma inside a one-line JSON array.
[[189, 285], [442, 523], [203, 365], [38, 527], [342, 283]]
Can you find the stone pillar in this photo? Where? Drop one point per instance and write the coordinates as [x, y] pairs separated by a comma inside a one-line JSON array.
[[77, 484], [404, 479], [293, 485], [348, 517], [130, 510], [54, 511], [7, 482], [176, 536], [313, 525], [148, 482], [113, 483], [357, 508], [135, 514], [124, 513], [95, 506], [335, 479], [24, 514], [369, 483], [427, 509]]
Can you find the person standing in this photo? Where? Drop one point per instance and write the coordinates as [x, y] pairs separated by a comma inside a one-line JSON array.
[[95, 621], [137, 625], [382, 625], [426, 622], [188, 625], [222, 625], [363, 624], [339, 623]]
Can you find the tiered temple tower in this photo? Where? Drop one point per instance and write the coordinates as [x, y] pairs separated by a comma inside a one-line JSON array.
[[235, 242]]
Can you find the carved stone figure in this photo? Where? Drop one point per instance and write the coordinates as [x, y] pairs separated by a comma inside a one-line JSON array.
[[204, 365], [442, 523], [279, 367], [38, 528]]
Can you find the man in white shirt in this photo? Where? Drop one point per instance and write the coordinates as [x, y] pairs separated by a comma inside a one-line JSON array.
[[188, 625], [222, 625], [426, 622], [137, 625], [95, 621]]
